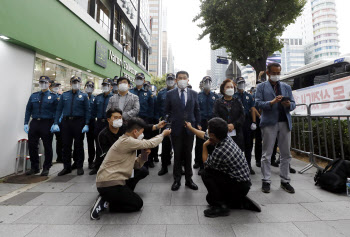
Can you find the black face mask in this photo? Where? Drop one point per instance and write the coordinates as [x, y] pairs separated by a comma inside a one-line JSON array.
[[146, 88]]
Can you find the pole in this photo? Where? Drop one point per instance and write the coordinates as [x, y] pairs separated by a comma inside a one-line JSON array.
[[122, 63]]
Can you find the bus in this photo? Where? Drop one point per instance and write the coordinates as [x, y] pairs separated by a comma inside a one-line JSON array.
[[324, 80]]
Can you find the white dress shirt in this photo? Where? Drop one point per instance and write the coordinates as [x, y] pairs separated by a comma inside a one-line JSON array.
[[185, 92]]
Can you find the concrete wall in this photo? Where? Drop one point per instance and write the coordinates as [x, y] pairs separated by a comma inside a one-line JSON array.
[[16, 75]]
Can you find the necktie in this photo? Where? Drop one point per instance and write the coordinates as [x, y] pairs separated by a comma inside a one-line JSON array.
[[41, 102], [72, 104], [183, 98]]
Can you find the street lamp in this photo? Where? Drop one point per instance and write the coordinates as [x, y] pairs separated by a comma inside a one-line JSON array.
[[121, 65]]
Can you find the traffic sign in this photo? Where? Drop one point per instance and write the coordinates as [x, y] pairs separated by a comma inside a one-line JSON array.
[[222, 61]]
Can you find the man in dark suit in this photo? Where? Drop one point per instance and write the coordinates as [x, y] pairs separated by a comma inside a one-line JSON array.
[[181, 106]]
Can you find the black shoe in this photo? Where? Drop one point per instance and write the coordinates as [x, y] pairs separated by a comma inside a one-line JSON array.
[[91, 166], [93, 171], [287, 187], [182, 171], [163, 171], [195, 166], [32, 171], [80, 171], [217, 211], [191, 185], [176, 185], [74, 166], [155, 159], [200, 171], [249, 204], [274, 164], [59, 160], [258, 164], [64, 172], [265, 187], [99, 206], [291, 170], [252, 172], [150, 164], [45, 172]]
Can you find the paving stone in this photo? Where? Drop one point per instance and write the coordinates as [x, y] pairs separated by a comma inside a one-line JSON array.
[[318, 229], [169, 215], [267, 230], [50, 187], [192, 198], [82, 188], [166, 187], [110, 218], [143, 188], [21, 199], [84, 199], [330, 210], [158, 199], [18, 230], [326, 196], [61, 179], [199, 230], [9, 214], [65, 230], [83, 179], [132, 231], [53, 199], [342, 226], [8, 188]]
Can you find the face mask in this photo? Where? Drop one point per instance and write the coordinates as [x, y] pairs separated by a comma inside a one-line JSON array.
[[76, 86], [141, 136], [89, 90], [139, 82], [55, 89], [44, 86], [229, 92], [117, 123], [123, 87], [105, 89], [115, 88], [182, 84], [275, 78], [146, 88], [241, 86], [170, 83], [207, 86]]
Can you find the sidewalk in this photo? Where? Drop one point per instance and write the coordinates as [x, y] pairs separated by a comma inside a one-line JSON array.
[[61, 206]]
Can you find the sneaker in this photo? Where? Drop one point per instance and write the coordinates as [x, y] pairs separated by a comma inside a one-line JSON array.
[[195, 166], [287, 187], [98, 207], [265, 187], [217, 211]]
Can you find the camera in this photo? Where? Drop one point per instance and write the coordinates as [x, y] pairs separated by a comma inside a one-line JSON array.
[[167, 120]]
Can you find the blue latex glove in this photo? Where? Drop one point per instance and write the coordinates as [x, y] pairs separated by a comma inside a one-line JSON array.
[[60, 120], [85, 129], [54, 128], [26, 128]]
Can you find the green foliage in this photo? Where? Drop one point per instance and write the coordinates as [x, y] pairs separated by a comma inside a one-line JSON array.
[[247, 29], [159, 82]]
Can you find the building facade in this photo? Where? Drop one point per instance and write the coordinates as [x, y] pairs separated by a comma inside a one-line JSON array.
[[218, 71], [292, 54], [155, 58]]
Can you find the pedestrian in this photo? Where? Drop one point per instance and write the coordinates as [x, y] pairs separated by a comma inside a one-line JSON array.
[[41, 107], [275, 99], [155, 119], [75, 107], [89, 89], [182, 105], [114, 82]]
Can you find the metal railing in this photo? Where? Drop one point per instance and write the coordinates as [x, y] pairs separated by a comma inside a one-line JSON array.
[[325, 137]]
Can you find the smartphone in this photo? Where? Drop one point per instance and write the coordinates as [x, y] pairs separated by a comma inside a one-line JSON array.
[[285, 99], [144, 155]]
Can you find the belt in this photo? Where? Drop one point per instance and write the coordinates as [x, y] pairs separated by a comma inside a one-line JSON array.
[[72, 118], [102, 120], [39, 119]]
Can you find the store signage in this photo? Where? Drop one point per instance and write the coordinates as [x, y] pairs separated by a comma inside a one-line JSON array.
[[118, 61], [101, 54]]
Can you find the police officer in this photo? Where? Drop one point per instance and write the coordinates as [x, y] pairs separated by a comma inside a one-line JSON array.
[[74, 104], [115, 84], [99, 111], [166, 144], [250, 118], [206, 100], [89, 89], [41, 107]]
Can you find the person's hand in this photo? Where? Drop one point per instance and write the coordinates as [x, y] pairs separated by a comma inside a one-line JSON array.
[[253, 126], [188, 125], [26, 128], [199, 127], [148, 151], [54, 128], [286, 103], [85, 129], [276, 100], [166, 132], [231, 127], [161, 124]]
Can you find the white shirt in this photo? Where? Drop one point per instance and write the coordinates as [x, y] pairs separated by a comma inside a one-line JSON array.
[[185, 93]]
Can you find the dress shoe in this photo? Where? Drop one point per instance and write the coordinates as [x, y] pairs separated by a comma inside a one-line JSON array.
[[64, 172], [182, 171], [195, 166], [249, 204], [45, 172], [91, 166], [200, 171], [163, 171], [217, 211], [93, 171], [258, 164], [274, 164], [252, 172], [156, 159], [59, 160], [150, 164], [191, 185], [74, 166], [80, 171], [32, 171], [176, 185], [291, 170]]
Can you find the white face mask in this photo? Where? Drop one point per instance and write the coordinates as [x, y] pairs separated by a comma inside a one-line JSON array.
[[117, 123], [44, 86], [105, 89], [76, 86], [89, 90], [229, 92], [170, 83], [207, 86], [275, 78], [55, 89], [123, 87], [139, 82], [141, 136], [182, 84], [241, 86]]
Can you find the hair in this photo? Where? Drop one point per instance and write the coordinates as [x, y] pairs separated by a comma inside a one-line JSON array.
[[218, 127], [182, 72], [271, 65], [222, 86], [122, 79], [112, 111], [135, 123]]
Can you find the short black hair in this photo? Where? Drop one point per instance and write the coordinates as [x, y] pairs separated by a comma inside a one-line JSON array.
[[218, 127], [135, 123], [121, 79], [112, 111], [271, 65], [182, 72]]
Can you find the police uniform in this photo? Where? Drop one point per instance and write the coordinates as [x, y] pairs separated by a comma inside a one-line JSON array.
[[41, 107], [90, 137], [58, 135], [155, 120], [75, 107]]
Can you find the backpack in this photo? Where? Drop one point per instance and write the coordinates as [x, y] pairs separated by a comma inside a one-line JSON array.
[[333, 177]]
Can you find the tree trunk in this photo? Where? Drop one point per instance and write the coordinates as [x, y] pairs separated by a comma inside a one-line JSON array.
[[260, 65]]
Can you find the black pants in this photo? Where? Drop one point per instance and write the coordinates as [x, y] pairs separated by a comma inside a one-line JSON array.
[[90, 136], [258, 141], [40, 129], [154, 151], [247, 134], [100, 124], [122, 198], [166, 151], [71, 131], [223, 190], [58, 136], [183, 145], [147, 135], [199, 146]]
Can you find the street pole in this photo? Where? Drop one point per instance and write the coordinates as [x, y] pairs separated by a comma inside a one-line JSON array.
[[122, 63]]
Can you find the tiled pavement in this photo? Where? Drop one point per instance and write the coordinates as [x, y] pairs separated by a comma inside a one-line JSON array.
[[60, 207]]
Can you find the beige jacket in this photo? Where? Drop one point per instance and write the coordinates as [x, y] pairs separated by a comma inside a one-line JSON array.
[[121, 160]]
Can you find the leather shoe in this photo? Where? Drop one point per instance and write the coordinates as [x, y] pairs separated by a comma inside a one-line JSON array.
[[64, 172], [31, 172], [74, 166], [91, 166], [200, 171], [195, 166], [176, 185], [191, 185], [215, 211], [93, 171], [163, 171], [45, 172], [156, 159], [80, 171], [150, 164]]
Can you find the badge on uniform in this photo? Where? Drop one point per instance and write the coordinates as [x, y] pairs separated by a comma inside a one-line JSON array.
[[49, 97], [213, 97], [247, 97], [80, 96], [145, 94]]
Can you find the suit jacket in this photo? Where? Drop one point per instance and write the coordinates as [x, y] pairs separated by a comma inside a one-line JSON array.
[[178, 114], [264, 94], [131, 106]]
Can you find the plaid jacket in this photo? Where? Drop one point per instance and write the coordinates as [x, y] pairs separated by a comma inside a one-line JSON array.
[[131, 106]]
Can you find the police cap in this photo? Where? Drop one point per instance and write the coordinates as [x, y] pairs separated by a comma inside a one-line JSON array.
[[207, 78], [75, 78], [90, 83], [239, 80], [170, 76], [140, 75], [107, 81], [44, 79]]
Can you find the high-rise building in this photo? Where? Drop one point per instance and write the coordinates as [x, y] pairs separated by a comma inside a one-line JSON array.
[[155, 59], [218, 71], [292, 54], [170, 60], [164, 52]]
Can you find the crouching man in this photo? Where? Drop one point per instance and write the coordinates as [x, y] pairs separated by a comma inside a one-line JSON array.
[[226, 173], [113, 181]]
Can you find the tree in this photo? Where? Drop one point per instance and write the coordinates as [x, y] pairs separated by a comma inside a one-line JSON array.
[[159, 82], [248, 30]]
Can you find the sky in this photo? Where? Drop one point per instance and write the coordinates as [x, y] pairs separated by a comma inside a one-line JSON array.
[[193, 55]]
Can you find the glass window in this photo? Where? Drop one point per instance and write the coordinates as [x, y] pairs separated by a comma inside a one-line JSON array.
[[102, 15], [126, 35], [84, 4]]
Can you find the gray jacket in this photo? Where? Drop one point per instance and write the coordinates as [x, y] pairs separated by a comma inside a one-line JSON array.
[[131, 105]]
